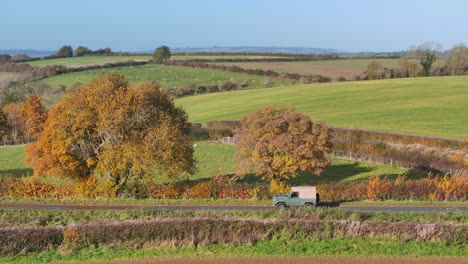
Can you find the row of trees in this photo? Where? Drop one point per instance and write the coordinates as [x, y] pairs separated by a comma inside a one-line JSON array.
[[6, 58], [67, 51], [420, 63]]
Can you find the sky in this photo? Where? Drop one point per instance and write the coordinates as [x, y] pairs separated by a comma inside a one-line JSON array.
[[138, 25]]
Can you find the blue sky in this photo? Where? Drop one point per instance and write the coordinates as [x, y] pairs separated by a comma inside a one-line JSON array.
[[349, 25]]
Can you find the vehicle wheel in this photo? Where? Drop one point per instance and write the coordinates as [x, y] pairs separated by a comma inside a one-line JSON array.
[[308, 205], [280, 205]]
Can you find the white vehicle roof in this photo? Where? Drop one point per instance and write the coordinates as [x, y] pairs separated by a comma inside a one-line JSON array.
[[305, 192]]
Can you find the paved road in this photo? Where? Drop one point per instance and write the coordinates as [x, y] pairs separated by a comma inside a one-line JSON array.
[[213, 207]]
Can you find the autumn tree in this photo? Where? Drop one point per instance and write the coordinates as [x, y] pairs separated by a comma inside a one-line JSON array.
[[81, 51], [374, 70], [109, 127], [12, 112], [3, 124], [32, 116], [64, 52], [458, 60], [161, 54], [278, 143]]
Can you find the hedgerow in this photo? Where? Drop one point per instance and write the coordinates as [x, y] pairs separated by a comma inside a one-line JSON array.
[[179, 232]]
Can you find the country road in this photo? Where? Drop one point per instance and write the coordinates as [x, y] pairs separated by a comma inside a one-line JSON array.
[[216, 207]]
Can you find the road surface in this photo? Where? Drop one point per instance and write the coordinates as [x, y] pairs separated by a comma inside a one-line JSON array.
[[215, 207]]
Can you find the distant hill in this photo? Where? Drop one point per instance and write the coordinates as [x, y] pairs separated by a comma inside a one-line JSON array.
[[30, 52], [291, 50], [252, 49]]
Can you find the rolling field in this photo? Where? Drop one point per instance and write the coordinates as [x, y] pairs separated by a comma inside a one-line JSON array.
[[215, 158], [106, 59], [433, 106], [347, 68], [168, 76]]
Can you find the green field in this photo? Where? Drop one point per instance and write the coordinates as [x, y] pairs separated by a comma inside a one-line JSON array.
[[432, 106], [214, 158], [106, 59], [12, 161], [168, 76]]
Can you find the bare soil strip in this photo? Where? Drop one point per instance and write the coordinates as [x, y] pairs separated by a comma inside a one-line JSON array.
[[306, 260]]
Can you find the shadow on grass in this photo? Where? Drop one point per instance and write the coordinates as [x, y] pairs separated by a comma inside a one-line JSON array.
[[16, 173], [338, 172]]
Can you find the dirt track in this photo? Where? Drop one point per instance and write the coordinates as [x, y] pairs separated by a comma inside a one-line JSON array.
[[305, 260]]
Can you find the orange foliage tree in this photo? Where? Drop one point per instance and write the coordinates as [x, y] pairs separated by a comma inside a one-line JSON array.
[[112, 128], [32, 116], [12, 112], [3, 124], [278, 143]]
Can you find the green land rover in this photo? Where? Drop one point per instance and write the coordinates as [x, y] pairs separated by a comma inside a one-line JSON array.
[[299, 196]]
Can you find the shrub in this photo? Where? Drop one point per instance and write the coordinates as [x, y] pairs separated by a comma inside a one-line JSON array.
[[202, 89], [279, 187], [377, 188], [228, 85], [213, 88], [165, 191], [199, 191]]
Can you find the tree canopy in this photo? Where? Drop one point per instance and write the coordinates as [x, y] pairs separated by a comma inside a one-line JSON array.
[[64, 52], [161, 54], [32, 117], [81, 50], [109, 127], [279, 142]]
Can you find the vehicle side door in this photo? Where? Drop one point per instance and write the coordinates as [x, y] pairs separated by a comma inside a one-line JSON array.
[[294, 199]]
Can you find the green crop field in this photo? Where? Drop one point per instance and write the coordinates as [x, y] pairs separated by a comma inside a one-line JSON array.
[[433, 106], [168, 76], [348, 68], [215, 158], [107, 59]]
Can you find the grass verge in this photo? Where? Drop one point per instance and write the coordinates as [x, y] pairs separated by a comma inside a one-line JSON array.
[[404, 204], [65, 217], [298, 246]]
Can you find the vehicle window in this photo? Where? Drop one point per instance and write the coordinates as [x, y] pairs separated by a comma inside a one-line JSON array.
[[294, 194]]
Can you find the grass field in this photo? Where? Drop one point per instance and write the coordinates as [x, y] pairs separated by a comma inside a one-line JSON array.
[[215, 158], [168, 76], [12, 161], [432, 106], [299, 246], [106, 59], [348, 68]]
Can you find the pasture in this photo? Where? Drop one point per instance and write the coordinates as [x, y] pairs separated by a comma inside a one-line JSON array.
[[168, 76], [432, 106], [86, 60], [12, 161], [215, 158]]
